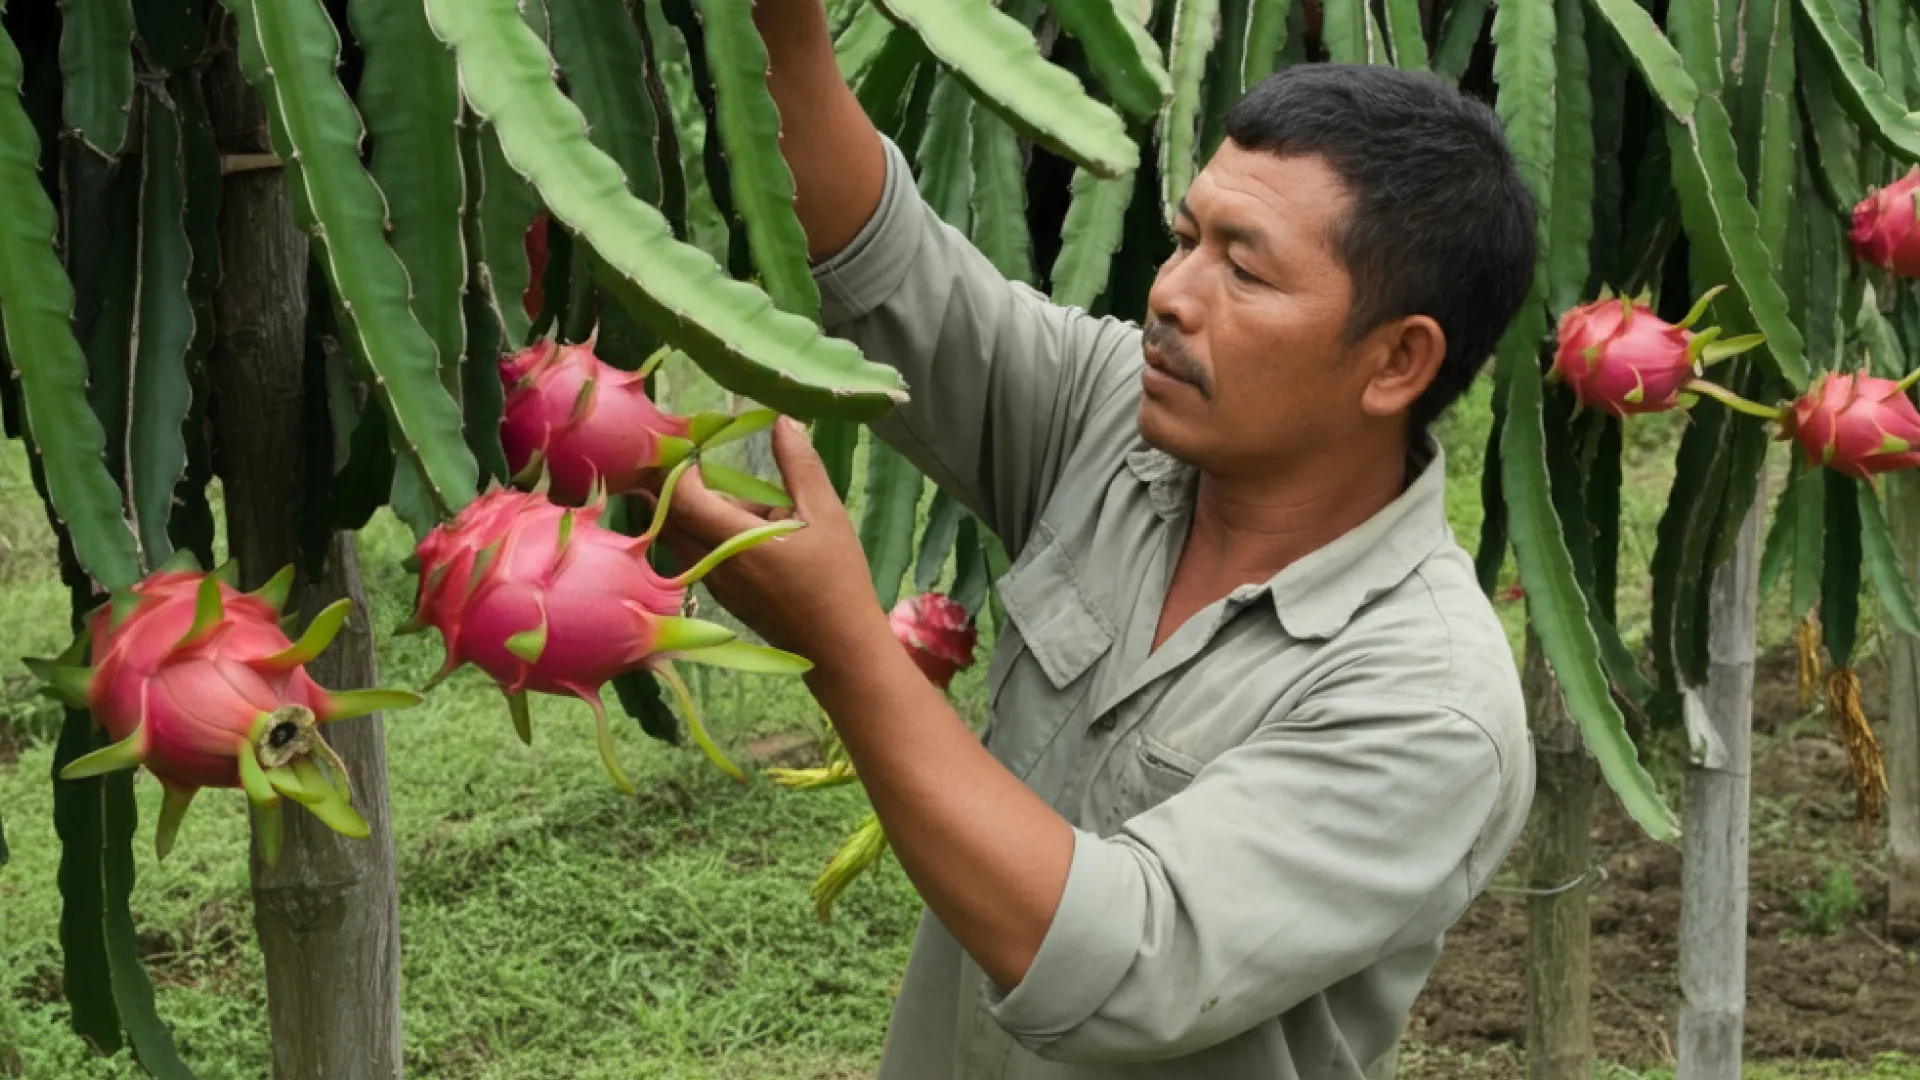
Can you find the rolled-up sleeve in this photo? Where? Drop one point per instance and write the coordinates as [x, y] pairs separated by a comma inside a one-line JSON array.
[[1290, 862], [1002, 380]]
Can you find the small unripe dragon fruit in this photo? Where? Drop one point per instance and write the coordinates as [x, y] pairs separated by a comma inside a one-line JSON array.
[[1620, 358], [937, 633], [1859, 425], [587, 426], [544, 599], [1883, 232], [197, 682]]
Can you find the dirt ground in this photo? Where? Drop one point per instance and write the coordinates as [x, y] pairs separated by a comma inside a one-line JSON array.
[[1849, 994]]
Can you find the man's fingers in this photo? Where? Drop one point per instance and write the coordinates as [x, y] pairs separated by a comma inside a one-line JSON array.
[[800, 464], [705, 515]]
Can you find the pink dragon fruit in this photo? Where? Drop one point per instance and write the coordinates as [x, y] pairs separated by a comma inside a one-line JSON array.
[[197, 682], [1859, 425], [587, 425], [1621, 358], [937, 632], [542, 598], [1883, 232]]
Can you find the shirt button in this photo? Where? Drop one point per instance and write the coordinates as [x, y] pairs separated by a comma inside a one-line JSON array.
[[1102, 725]]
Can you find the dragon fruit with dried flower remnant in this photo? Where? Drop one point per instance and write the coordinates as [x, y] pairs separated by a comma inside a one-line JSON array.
[[580, 423], [544, 599], [1620, 358], [197, 682], [937, 632]]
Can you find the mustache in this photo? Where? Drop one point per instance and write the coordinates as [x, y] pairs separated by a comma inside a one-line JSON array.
[[1161, 337]]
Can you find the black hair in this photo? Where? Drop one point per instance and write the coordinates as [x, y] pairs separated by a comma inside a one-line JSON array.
[[1441, 225]]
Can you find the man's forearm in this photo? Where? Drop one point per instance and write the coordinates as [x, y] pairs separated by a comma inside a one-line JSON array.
[[988, 856], [831, 147]]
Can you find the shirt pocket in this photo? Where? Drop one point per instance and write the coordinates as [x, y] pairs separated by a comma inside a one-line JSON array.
[[1055, 633], [1143, 773]]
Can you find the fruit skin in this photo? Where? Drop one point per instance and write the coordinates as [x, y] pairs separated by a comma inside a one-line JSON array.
[[1884, 233], [1856, 424], [1621, 359], [937, 632], [197, 682], [588, 422]]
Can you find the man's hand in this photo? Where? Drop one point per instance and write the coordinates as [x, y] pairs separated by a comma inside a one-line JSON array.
[[809, 592], [986, 854]]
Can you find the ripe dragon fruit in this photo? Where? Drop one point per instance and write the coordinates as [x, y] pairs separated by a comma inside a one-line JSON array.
[[937, 632], [585, 425], [1883, 233], [544, 599], [1620, 358], [1859, 425], [197, 682]]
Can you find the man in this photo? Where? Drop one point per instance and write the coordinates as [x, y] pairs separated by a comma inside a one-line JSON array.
[[1256, 736]]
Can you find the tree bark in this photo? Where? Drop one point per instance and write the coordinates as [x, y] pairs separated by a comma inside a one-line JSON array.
[[1559, 855], [327, 915], [1903, 727], [1713, 899]]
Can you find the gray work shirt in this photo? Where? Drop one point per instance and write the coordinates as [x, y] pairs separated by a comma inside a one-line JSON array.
[[1279, 811]]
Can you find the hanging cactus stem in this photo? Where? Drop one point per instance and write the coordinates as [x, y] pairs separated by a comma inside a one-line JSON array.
[[174, 801], [522, 716], [734, 545], [694, 726]]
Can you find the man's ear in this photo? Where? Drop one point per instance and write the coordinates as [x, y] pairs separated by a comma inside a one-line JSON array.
[[1409, 352]]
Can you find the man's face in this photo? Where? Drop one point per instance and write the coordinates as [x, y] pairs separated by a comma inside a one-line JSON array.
[[1246, 366]]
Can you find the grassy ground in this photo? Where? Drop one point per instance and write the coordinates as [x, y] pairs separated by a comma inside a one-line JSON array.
[[550, 927]]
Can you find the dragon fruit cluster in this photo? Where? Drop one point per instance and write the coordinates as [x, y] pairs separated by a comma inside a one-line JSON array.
[[1620, 358]]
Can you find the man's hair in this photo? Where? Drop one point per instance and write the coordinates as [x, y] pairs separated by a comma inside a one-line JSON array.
[[1441, 223]]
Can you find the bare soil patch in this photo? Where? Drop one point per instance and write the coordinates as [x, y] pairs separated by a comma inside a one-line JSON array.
[[1849, 994]]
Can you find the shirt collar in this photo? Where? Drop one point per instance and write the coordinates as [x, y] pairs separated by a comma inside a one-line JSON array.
[[1319, 594]]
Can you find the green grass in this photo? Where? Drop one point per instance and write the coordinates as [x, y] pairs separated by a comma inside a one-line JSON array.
[[550, 927]]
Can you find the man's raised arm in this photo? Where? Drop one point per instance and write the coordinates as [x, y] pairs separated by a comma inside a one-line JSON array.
[[1003, 383], [831, 147]]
